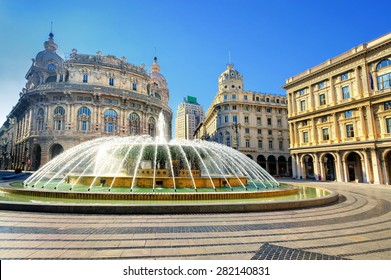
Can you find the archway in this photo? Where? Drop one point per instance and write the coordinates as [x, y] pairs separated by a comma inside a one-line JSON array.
[[329, 167], [282, 166], [289, 166], [36, 157], [387, 161], [308, 167], [354, 170], [261, 160], [272, 164], [55, 150]]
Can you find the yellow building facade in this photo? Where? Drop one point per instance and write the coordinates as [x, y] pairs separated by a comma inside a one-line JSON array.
[[339, 115]]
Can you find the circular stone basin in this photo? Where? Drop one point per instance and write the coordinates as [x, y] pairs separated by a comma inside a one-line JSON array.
[[15, 197]]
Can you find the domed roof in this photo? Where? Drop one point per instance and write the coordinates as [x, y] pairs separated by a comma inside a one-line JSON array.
[[230, 74], [49, 56], [155, 73]]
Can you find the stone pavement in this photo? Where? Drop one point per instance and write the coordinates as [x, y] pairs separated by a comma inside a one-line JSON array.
[[357, 227]]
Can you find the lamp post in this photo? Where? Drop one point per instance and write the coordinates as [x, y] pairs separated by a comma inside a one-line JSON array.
[[236, 126]]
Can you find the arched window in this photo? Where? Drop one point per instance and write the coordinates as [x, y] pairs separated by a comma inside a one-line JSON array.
[[134, 124], [84, 119], [40, 119], [110, 119], [383, 63], [59, 118], [152, 127], [384, 77], [157, 95]]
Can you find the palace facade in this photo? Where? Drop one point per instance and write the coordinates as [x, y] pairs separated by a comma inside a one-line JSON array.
[[340, 116], [66, 102], [254, 123]]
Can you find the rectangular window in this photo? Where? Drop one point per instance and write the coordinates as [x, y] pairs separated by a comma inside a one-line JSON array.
[[246, 120], [279, 133], [134, 86], [85, 78], [348, 114], [344, 76], [235, 118], [302, 105], [225, 119], [260, 144], [225, 97], [388, 125], [259, 131], [84, 125], [270, 132], [247, 143], [325, 133], [321, 85], [111, 81], [279, 122], [322, 99], [268, 110], [226, 107], [384, 81], [281, 145], [259, 122], [324, 119], [247, 130], [233, 96], [245, 97], [345, 92], [257, 98], [305, 136], [258, 109], [387, 105], [233, 107], [269, 121], [270, 145], [302, 91], [80, 98], [349, 130]]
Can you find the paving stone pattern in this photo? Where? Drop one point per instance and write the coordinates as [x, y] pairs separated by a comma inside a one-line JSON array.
[[357, 227]]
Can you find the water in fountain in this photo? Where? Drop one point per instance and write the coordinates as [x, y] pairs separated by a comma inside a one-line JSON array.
[[142, 162]]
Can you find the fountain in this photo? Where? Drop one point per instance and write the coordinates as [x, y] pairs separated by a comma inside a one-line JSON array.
[[142, 169]]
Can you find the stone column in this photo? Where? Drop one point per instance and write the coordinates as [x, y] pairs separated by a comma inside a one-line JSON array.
[[316, 167], [336, 129], [332, 93], [322, 170], [345, 176], [371, 123], [366, 83], [290, 104], [311, 103], [314, 132], [374, 79], [385, 179], [375, 167], [294, 172], [358, 82], [364, 132], [366, 168]]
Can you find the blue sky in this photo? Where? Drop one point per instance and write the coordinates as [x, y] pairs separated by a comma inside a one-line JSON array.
[[269, 41]]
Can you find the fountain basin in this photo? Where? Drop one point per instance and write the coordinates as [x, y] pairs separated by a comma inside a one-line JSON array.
[[12, 198]]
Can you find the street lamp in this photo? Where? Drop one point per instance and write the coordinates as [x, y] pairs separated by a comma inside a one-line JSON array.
[[236, 126]]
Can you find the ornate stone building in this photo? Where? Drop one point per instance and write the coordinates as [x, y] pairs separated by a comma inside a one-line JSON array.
[[254, 123], [84, 97], [340, 116]]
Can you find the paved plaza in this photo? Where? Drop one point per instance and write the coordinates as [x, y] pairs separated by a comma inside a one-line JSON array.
[[357, 227]]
